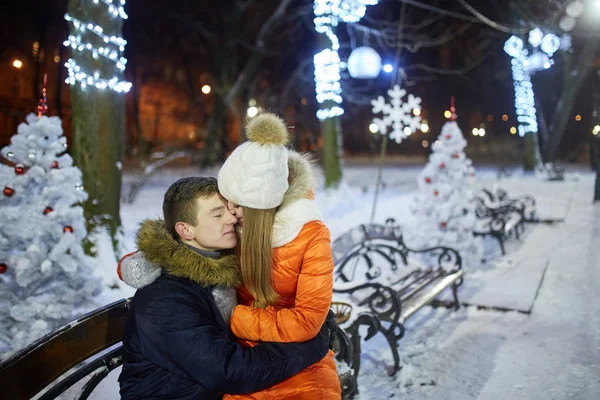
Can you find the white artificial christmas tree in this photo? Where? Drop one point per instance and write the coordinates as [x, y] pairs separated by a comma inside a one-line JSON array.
[[46, 279], [444, 207]]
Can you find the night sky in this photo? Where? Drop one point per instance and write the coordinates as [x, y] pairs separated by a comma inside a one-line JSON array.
[[167, 31]]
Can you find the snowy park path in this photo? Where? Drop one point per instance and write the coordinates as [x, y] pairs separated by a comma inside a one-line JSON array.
[[552, 353]]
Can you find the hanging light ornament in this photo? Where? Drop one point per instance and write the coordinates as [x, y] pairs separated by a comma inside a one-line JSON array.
[[364, 63]]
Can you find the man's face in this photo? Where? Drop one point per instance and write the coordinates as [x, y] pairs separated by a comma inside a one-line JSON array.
[[214, 228]]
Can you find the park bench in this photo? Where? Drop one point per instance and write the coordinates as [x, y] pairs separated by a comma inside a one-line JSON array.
[[501, 216], [86, 349], [89, 348], [379, 274]]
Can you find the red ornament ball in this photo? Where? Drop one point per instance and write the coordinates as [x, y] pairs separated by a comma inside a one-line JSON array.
[[19, 169], [435, 192], [3, 268], [444, 224], [456, 155], [8, 191], [428, 180], [68, 229], [442, 166], [448, 136], [48, 210], [54, 164]]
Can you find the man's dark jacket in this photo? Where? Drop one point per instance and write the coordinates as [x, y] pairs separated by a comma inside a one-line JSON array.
[[176, 343]]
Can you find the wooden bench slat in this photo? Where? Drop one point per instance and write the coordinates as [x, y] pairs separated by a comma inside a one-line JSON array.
[[426, 297], [426, 281], [417, 275]]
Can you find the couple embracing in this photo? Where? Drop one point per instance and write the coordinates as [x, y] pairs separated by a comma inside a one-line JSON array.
[[234, 284]]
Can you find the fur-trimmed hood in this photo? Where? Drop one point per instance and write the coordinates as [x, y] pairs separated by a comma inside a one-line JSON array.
[[178, 260], [298, 207]]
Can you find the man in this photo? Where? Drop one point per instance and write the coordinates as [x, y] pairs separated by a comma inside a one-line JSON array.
[[177, 342]]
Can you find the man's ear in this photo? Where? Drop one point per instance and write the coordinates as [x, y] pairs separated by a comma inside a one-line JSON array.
[[184, 231]]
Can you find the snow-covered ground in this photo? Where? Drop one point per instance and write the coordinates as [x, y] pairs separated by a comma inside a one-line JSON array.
[[551, 353]]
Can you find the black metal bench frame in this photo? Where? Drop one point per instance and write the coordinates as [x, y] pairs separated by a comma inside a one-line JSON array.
[[506, 216], [395, 303]]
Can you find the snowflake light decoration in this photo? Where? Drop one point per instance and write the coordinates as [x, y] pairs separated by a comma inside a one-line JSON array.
[[399, 115]]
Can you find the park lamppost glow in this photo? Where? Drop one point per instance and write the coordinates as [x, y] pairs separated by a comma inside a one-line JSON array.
[[373, 128], [447, 114], [252, 111], [424, 127], [388, 68], [596, 130], [475, 132], [206, 89], [17, 64], [513, 130]]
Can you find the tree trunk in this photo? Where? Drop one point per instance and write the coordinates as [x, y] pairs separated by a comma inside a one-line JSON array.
[[331, 131], [574, 80], [98, 128], [597, 191], [529, 154], [217, 127], [332, 151]]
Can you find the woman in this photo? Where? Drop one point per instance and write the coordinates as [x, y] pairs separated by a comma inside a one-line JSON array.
[[285, 254]]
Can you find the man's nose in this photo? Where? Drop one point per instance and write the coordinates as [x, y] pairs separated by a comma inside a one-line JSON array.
[[231, 219], [231, 207]]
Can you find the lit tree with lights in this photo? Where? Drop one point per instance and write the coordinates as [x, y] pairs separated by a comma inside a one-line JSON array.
[[96, 76], [328, 14]]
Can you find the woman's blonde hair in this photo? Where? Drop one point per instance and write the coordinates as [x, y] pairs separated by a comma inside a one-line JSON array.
[[256, 254]]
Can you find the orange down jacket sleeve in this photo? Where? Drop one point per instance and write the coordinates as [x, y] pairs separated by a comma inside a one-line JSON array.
[[303, 315]]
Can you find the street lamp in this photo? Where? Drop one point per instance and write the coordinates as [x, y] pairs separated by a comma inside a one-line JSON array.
[[206, 89], [373, 128], [252, 111], [17, 64]]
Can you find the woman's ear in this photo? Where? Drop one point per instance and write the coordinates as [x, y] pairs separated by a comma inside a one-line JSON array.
[[183, 231]]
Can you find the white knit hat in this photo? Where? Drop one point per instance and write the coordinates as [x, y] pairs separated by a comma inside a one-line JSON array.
[[256, 174]]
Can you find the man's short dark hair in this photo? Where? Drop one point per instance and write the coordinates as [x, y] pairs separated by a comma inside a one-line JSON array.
[[179, 204]]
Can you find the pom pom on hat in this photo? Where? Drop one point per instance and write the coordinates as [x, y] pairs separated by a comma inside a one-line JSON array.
[[267, 129], [256, 173]]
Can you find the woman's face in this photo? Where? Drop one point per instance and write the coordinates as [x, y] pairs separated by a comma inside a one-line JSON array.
[[237, 212]]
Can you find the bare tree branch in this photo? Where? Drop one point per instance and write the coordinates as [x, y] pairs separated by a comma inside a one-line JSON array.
[[252, 63], [493, 24]]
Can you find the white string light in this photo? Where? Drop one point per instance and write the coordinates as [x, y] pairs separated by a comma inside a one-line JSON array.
[[327, 62], [76, 75], [524, 65], [75, 41], [524, 96], [115, 11]]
